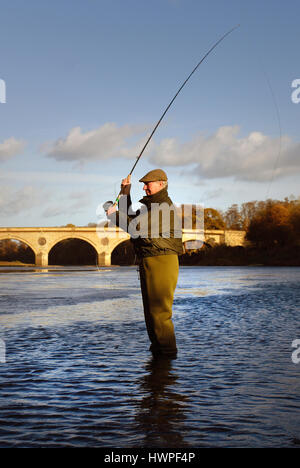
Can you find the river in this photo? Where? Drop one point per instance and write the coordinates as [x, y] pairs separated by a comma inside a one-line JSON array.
[[76, 370]]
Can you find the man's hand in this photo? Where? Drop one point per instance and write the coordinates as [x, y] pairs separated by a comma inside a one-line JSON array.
[[126, 185], [111, 210], [125, 190], [126, 181], [109, 207]]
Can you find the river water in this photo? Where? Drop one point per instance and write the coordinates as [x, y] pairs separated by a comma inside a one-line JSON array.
[[76, 370]]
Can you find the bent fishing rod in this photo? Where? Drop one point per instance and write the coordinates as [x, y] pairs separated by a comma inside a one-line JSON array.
[[171, 102]]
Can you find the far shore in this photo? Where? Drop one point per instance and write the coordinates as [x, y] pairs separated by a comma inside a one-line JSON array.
[[219, 255], [15, 263]]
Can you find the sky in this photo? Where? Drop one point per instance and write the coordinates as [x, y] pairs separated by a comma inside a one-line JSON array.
[[83, 83]]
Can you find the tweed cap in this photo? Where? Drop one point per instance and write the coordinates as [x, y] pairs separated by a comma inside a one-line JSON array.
[[154, 176]]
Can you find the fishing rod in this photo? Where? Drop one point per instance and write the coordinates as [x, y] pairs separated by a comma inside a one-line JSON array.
[[171, 102]]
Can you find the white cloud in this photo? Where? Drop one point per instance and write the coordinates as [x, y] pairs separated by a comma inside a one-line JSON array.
[[224, 154], [107, 141], [254, 157], [11, 147]]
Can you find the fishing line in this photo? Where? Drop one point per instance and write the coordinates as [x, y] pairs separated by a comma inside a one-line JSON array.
[[276, 163], [173, 99], [280, 134]]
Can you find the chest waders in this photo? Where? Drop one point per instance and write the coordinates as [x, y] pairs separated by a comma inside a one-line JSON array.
[[158, 276]]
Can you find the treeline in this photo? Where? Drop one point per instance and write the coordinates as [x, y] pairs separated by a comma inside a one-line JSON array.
[[275, 223], [240, 217], [267, 223], [272, 231]]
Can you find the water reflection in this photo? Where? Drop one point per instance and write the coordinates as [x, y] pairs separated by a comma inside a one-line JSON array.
[[161, 411]]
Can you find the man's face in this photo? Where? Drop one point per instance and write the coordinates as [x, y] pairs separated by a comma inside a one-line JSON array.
[[153, 187]]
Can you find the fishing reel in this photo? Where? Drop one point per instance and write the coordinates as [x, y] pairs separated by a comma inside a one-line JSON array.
[[107, 205]]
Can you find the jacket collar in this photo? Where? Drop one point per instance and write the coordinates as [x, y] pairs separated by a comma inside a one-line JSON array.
[[158, 197]]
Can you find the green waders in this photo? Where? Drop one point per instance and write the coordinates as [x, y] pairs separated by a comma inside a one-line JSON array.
[[158, 275]]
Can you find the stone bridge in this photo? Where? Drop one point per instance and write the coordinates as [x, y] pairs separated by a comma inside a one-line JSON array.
[[104, 240]]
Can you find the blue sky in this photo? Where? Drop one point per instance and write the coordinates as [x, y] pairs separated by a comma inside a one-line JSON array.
[[87, 80]]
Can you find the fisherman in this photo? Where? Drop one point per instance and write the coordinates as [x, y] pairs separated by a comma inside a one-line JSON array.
[[156, 235]]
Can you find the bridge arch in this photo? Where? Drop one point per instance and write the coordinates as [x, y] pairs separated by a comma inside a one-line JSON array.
[[67, 237], [123, 253], [113, 243], [73, 254], [193, 243], [20, 239]]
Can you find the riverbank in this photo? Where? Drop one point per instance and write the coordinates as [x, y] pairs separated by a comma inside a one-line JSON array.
[[15, 263], [220, 255], [223, 255]]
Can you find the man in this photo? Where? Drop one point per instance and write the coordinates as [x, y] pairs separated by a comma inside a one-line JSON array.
[[157, 239]]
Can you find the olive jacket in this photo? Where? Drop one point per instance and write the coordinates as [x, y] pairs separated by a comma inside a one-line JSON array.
[[155, 229]]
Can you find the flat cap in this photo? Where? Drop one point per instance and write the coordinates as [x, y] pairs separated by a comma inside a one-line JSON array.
[[154, 176]]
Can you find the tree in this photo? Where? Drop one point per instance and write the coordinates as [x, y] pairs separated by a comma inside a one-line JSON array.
[[271, 226], [295, 221], [233, 218], [191, 215], [247, 212], [213, 219]]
